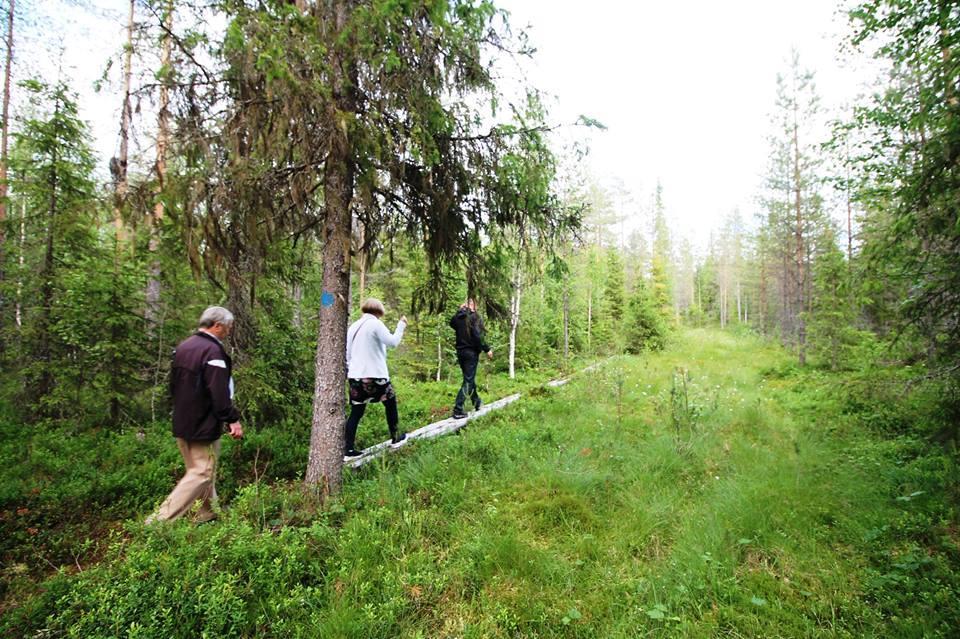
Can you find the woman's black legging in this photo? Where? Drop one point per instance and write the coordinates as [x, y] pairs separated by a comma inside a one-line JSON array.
[[357, 411]]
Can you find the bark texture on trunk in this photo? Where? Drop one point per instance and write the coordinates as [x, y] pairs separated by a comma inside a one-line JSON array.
[[119, 169], [326, 436], [723, 306], [801, 285], [241, 300], [362, 259], [762, 293], [18, 314], [566, 321], [45, 382], [589, 317], [739, 305], [297, 296], [4, 134], [163, 139], [4, 157], [514, 319], [439, 353], [325, 464]]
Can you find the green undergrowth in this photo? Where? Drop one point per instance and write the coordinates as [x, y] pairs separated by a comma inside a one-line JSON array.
[[65, 487], [710, 490]]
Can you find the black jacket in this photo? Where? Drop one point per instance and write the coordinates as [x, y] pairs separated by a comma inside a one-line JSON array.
[[200, 380], [469, 328]]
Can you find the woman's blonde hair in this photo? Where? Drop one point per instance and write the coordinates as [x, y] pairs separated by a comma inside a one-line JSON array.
[[373, 306]]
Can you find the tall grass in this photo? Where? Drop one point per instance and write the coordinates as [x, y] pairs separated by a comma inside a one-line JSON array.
[[580, 512]]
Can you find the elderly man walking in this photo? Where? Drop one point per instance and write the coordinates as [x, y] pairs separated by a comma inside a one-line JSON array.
[[202, 390]]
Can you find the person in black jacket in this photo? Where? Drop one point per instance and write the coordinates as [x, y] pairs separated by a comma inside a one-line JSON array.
[[469, 329], [201, 388]]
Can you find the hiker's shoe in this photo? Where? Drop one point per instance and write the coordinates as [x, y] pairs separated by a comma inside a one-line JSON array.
[[477, 405], [459, 414], [352, 453], [397, 442]]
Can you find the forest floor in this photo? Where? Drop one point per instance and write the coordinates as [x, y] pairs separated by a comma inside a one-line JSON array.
[[714, 489]]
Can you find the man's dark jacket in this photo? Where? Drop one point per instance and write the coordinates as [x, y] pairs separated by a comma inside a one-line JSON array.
[[469, 328], [200, 388]]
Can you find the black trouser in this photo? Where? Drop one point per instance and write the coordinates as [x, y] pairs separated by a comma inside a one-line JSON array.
[[468, 360], [357, 411]]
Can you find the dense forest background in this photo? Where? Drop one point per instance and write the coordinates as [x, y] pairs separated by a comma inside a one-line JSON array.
[[288, 159]]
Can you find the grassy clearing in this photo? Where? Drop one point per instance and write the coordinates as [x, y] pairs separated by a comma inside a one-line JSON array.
[[749, 501]]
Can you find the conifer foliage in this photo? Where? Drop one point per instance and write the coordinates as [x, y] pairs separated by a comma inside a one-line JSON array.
[[908, 165]]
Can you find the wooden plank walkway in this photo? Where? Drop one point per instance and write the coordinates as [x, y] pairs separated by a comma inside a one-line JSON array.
[[444, 426], [436, 429]]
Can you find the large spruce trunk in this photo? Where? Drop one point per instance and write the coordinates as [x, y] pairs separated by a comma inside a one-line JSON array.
[[325, 463]]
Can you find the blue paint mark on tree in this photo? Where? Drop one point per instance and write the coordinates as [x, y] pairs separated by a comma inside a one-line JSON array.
[[326, 299]]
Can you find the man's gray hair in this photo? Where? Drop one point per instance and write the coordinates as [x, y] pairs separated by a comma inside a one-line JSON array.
[[215, 315]]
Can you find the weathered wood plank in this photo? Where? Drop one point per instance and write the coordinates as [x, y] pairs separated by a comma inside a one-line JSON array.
[[429, 431]]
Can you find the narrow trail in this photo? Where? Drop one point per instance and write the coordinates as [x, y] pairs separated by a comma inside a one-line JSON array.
[[450, 425]]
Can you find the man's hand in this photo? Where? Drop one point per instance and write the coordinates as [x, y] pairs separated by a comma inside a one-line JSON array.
[[236, 430], [490, 354], [403, 318]]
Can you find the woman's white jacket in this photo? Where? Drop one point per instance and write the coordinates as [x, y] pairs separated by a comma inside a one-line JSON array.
[[367, 342]]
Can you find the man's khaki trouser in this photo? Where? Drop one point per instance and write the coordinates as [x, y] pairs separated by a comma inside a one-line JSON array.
[[197, 484]]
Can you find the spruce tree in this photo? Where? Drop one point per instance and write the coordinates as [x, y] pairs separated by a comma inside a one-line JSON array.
[[336, 111], [645, 328], [51, 171], [613, 302], [832, 317], [909, 171]]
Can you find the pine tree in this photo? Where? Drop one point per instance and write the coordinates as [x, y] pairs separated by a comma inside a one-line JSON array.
[[793, 203]]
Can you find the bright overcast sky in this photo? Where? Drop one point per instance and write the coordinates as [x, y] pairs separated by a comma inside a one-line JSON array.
[[686, 89]]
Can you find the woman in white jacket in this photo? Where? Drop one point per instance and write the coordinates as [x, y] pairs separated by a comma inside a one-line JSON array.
[[367, 375]]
